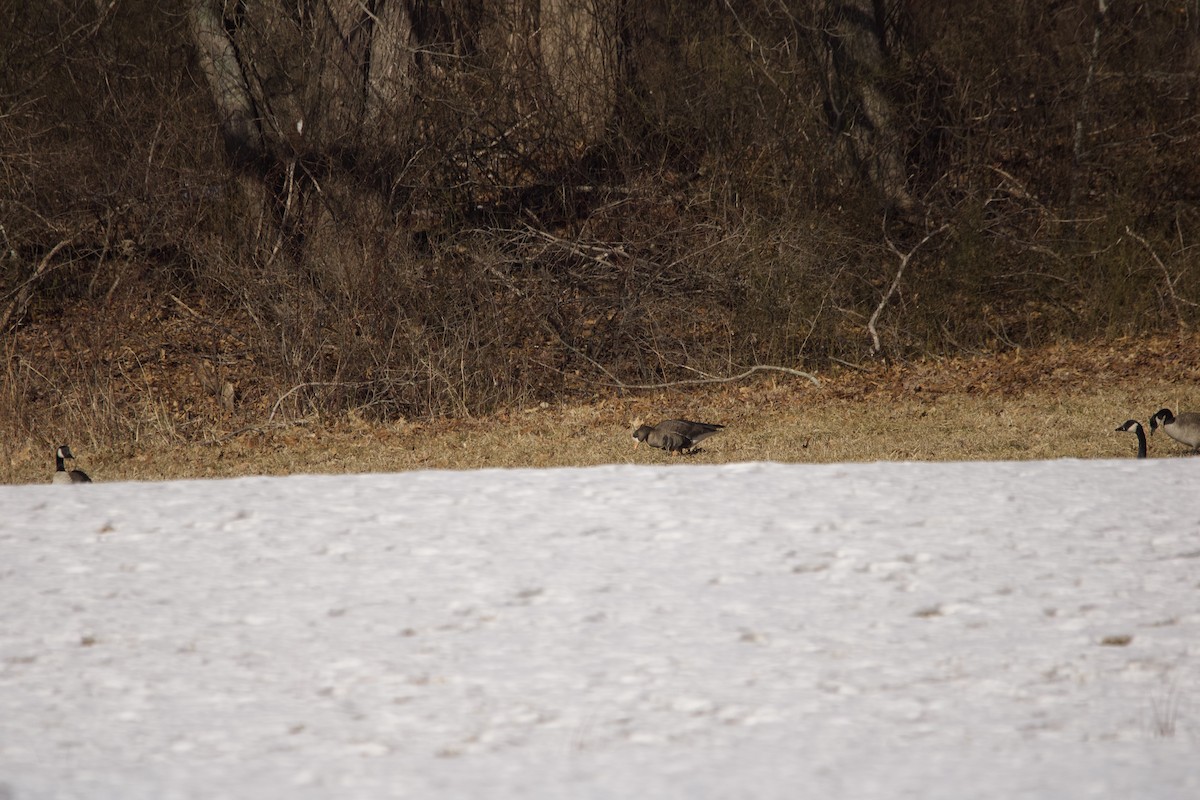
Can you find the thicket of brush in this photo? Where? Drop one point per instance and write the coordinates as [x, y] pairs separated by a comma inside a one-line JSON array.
[[720, 222]]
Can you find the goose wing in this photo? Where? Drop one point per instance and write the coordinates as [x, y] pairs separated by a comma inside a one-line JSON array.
[[694, 431]]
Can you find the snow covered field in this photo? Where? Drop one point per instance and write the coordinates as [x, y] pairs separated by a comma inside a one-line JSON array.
[[976, 630]]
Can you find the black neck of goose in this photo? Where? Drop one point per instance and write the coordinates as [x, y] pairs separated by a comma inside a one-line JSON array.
[[58, 463], [1141, 434]]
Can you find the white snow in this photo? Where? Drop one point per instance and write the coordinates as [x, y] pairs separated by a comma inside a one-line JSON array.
[[917, 630]]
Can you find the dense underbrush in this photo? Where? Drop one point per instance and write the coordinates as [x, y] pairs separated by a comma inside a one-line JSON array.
[[717, 226]]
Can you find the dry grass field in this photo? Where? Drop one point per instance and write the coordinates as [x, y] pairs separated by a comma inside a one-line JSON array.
[[1058, 402]]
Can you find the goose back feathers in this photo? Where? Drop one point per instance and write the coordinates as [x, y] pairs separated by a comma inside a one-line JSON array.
[[676, 435]]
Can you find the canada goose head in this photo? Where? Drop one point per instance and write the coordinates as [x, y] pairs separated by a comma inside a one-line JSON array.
[[641, 433], [1183, 427], [1162, 417], [1136, 427], [61, 475]]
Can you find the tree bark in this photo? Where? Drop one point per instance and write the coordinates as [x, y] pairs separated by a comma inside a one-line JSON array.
[[857, 100], [308, 77], [579, 56], [391, 74], [561, 60], [236, 115]]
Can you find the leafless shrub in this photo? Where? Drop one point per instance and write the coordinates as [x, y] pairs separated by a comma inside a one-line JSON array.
[[551, 198]]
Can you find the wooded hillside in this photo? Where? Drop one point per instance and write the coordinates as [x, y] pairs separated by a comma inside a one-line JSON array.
[[450, 207]]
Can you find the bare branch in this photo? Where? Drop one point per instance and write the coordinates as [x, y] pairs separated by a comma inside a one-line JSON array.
[[696, 381], [1175, 299], [23, 293], [307, 385], [904, 259]]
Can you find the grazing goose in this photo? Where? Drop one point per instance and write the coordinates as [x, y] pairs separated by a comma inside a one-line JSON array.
[[1136, 427], [60, 470], [675, 435], [1184, 428]]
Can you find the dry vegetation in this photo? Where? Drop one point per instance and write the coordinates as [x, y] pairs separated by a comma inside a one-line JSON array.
[[470, 266], [152, 418]]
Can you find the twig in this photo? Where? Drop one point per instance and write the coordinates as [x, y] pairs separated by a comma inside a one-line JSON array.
[[904, 259], [1085, 99], [23, 293], [251, 429], [589, 252], [695, 381], [300, 386], [1176, 299], [201, 318], [290, 189], [1016, 188], [845, 363], [512, 285]]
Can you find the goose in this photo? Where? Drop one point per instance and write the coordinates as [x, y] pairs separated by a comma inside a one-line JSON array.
[[1184, 428], [60, 472], [1136, 427], [675, 435]]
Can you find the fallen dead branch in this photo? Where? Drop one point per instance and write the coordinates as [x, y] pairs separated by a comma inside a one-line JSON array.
[[698, 381]]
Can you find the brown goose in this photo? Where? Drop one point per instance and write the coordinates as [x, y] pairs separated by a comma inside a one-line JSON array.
[[1136, 427], [676, 435], [61, 475], [1183, 428]]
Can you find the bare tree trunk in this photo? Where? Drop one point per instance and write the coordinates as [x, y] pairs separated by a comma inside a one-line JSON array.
[[313, 76], [857, 100], [1079, 172], [305, 88], [335, 99], [391, 74], [219, 62], [579, 56], [562, 60]]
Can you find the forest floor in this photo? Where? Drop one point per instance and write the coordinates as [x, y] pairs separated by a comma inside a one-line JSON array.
[[142, 411]]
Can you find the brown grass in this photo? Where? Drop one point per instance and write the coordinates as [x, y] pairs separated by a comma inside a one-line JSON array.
[[1059, 402]]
